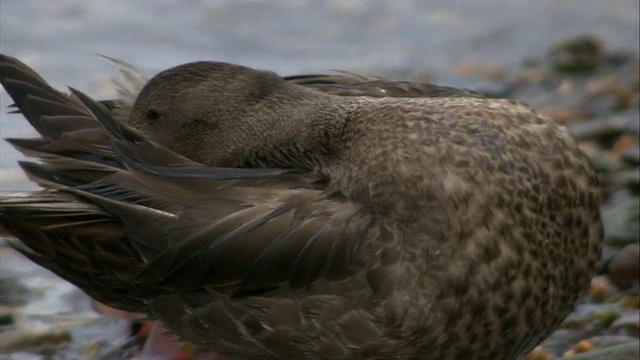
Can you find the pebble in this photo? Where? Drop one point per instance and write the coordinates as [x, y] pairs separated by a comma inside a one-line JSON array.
[[609, 127], [539, 353], [627, 351], [627, 324], [582, 347], [12, 292], [601, 288], [22, 356], [32, 337], [564, 115], [621, 219], [577, 54], [624, 268], [7, 316], [632, 155]]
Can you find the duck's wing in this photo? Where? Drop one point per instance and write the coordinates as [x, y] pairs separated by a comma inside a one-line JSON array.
[[64, 125], [128, 220], [348, 84], [128, 85]]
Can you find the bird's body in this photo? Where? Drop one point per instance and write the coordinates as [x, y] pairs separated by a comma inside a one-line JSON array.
[[310, 217]]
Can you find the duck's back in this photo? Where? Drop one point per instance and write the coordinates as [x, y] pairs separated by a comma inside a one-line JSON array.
[[495, 212]]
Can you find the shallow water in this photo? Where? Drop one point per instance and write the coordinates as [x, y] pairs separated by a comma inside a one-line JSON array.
[[383, 37]]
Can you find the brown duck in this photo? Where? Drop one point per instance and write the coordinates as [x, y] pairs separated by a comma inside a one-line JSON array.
[[309, 217]]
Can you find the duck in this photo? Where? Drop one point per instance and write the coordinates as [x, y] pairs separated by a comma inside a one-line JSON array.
[[332, 216]]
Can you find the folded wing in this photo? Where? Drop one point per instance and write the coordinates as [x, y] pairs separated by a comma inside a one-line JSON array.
[[128, 220]]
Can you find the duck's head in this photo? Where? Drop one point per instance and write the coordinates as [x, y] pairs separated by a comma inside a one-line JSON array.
[[228, 115]]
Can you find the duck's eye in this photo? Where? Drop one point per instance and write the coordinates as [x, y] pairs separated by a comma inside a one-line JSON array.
[[153, 116]]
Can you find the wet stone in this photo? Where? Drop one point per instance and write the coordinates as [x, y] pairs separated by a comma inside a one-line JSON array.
[[22, 356], [563, 340], [12, 292], [7, 317], [606, 128], [577, 54], [631, 155], [30, 337], [537, 354], [628, 324], [601, 288], [624, 268], [629, 179], [581, 347], [621, 220], [626, 351]]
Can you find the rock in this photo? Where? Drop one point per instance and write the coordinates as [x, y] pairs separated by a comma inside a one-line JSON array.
[[626, 351], [624, 143], [577, 54], [564, 339], [12, 292], [629, 179], [30, 338], [605, 316], [24, 356], [582, 347], [621, 216], [606, 341], [632, 155], [605, 128], [624, 268], [7, 316], [603, 104], [601, 288], [566, 115], [627, 324], [537, 354]]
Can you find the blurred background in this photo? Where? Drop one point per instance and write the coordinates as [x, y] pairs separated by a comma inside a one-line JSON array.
[[574, 60]]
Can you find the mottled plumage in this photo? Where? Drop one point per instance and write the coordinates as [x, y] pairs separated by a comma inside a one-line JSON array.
[[309, 217]]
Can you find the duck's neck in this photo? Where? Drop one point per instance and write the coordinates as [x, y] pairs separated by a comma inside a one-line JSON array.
[[301, 130]]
